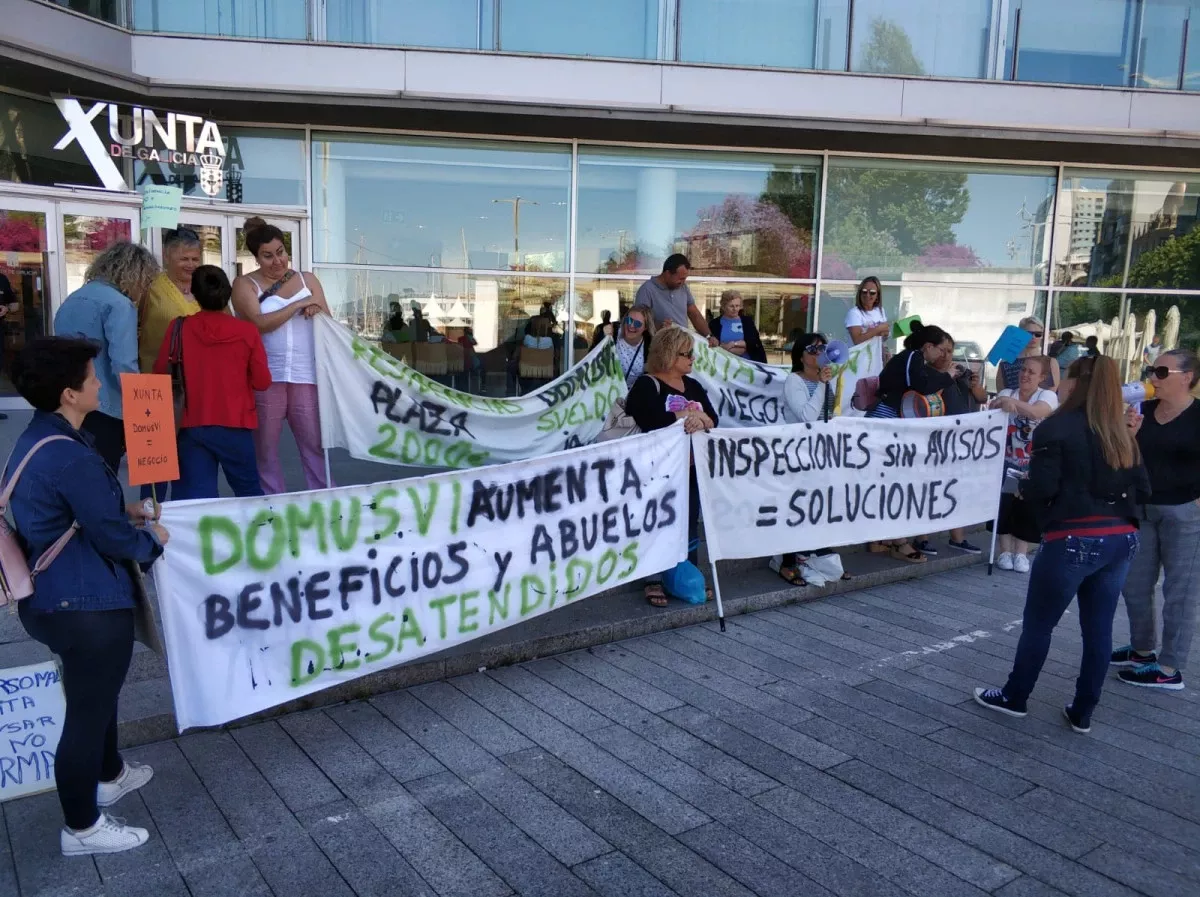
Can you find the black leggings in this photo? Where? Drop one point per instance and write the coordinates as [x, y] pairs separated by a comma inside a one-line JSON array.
[[95, 648]]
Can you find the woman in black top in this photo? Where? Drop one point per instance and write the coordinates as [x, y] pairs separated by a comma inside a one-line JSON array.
[[1085, 482], [668, 364], [1169, 436], [914, 369]]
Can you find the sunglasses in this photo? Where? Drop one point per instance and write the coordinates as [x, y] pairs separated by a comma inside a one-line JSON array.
[[1035, 334], [815, 349], [869, 293], [1162, 371], [634, 324], [688, 355]]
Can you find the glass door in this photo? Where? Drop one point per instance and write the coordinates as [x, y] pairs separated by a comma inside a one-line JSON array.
[[244, 262], [214, 231], [87, 230], [26, 247]]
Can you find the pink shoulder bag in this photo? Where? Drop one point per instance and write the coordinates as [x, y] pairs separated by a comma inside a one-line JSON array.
[[16, 579]]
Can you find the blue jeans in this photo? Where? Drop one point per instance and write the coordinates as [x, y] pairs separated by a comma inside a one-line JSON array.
[[203, 449], [1093, 567]]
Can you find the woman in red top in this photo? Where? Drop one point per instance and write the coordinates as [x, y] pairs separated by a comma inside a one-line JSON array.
[[224, 363]]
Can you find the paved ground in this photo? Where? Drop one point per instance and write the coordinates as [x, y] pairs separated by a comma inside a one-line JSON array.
[[825, 748]]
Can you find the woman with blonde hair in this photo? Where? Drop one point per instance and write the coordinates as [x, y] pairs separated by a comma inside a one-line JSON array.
[[170, 295], [1085, 483], [736, 331], [1008, 375], [664, 395], [105, 311]]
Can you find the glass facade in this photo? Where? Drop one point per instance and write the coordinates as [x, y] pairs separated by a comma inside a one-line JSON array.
[[478, 233], [1113, 43], [285, 19]]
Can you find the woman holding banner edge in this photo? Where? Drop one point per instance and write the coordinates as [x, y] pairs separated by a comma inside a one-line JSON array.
[[1086, 482], [664, 395]]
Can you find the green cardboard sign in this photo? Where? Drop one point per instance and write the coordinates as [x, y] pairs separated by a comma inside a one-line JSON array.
[[160, 206], [903, 327]]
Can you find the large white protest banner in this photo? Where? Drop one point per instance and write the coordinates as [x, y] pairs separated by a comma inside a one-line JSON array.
[[802, 487], [268, 599], [380, 409], [31, 717], [748, 393]]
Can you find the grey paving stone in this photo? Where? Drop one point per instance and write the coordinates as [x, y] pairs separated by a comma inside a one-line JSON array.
[[290, 772], [1140, 875], [640, 692], [761, 725], [184, 813], [525, 866], [436, 854], [152, 858], [247, 801], [403, 758], [1116, 829], [560, 705], [799, 638], [367, 861], [820, 698], [481, 726], [616, 875], [749, 864], [161, 881], [33, 824], [718, 765], [737, 659], [889, 859], [348, 766], [658, 805], [647, 845], [295, 866], [222, 876], [8, 868], [439, 738], [1028, 887]]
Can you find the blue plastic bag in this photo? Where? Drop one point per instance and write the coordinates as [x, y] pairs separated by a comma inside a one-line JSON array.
[[685, 582]]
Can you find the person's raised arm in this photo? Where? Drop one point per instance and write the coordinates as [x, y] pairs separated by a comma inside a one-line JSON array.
[[697, 318], [245, 303]]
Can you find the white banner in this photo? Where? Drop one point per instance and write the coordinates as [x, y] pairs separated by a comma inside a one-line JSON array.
[[807, 486], [32, 707], [380, 409], [750, 394], [265, 600]]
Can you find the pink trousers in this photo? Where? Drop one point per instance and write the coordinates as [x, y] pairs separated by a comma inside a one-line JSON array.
[[297, 404]]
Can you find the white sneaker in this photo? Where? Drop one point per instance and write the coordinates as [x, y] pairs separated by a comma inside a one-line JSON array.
[[1005, 561], [1021, 563], [132, 777], [108, 835]]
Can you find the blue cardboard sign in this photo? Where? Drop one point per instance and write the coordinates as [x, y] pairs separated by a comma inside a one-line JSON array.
[[1011, 344]]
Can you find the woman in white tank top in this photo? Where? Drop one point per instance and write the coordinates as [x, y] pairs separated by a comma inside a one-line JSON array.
[[282, 302]]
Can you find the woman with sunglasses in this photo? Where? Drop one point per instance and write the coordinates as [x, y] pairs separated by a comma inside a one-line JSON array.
[[667, 394], [633, 344], [1168, 433], [1008, 376], [807, 397], [867, 320]]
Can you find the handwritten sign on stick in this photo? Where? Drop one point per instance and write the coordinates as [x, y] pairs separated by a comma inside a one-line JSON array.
[[1011, 344], [31, 716], [149, 428]]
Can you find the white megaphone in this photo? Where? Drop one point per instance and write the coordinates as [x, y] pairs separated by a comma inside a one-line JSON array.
[[1136, 393], [835, 353]]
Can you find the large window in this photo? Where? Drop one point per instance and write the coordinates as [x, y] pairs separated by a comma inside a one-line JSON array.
[[906, 220], [1135, 43], [405, 23], [226, 18], [616, 28], [801, 34], [1118, 229], [29, 129], [949, 38], [109, 10], [731, 214], [441, 203], [1126, 325]]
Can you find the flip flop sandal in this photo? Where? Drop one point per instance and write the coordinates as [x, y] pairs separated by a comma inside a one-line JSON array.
[[792, 576], [878, 548], [655, 594], [912, 557]]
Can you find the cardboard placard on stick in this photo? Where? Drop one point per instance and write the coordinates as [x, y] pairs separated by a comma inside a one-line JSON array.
[[149, 428], [903, 327]]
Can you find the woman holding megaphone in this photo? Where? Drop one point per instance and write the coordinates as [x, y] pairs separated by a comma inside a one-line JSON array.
[[1168, 433]]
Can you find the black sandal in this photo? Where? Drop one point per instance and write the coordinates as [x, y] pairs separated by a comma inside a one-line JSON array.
[[792, 576]]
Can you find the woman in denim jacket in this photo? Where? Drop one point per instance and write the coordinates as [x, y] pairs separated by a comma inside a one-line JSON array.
[[82, 607]]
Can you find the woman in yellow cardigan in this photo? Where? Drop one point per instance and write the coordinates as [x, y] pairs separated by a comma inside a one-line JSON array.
[[170, 295]]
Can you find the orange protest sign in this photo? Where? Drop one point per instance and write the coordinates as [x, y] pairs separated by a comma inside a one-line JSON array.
[[149, 428]]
